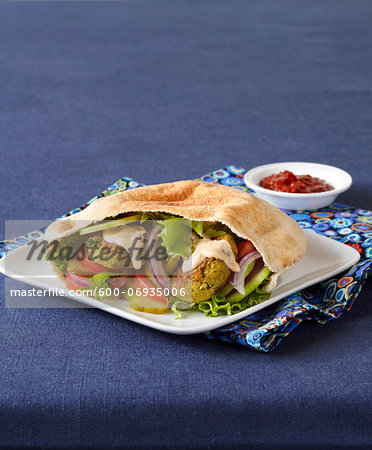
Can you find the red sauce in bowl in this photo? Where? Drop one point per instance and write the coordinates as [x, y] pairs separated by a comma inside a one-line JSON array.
[[287, 181]]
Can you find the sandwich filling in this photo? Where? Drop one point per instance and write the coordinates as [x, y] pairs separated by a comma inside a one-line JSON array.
[[162, 262]]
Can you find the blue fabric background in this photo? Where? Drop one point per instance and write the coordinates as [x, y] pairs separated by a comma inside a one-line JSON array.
[[159, 91]]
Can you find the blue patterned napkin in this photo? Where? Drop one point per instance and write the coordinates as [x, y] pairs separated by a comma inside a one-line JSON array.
[[264, 330]]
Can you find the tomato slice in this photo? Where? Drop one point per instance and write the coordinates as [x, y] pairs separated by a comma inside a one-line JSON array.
[[245, 247], [91, 265], [72, 285], [75, 268], [143, 282], [117, 282]]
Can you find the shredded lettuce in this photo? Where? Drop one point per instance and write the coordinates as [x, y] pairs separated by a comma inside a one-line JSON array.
[[176, 236]]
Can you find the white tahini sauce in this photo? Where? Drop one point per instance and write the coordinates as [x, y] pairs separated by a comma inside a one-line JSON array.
[[207, 248], [125, 237]]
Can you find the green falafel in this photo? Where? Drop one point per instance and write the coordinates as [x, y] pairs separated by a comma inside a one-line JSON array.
[[208, 278]]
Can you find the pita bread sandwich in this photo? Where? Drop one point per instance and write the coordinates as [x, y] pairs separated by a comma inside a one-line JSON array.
[[187, 244]]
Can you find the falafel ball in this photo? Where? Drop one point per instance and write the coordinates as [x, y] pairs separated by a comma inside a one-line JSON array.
[[207, 279]]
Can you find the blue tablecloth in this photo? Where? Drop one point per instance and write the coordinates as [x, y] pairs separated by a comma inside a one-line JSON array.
[[159, 91]]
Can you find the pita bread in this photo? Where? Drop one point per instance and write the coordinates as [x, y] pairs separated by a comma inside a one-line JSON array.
[[278, 238]]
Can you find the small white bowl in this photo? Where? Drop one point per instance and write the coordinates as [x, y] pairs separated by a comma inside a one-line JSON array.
[[339, 179]]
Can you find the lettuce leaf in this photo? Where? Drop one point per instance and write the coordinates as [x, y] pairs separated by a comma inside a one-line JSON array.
[[179, 306], [210, 231], [198, 227], [219, 305], [61, 251], [150, 216], [176, 236], [99, 281]]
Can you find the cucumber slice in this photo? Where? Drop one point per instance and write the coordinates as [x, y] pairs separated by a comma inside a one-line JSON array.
[[111, 224], [251, 285], [229, 287]]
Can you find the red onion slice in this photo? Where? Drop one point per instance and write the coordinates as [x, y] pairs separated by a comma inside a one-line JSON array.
[[82, 280], [257, 266], [237, 279], [156, 267]]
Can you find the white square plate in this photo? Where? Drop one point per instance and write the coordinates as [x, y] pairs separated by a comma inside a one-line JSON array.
[[323, 259]]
